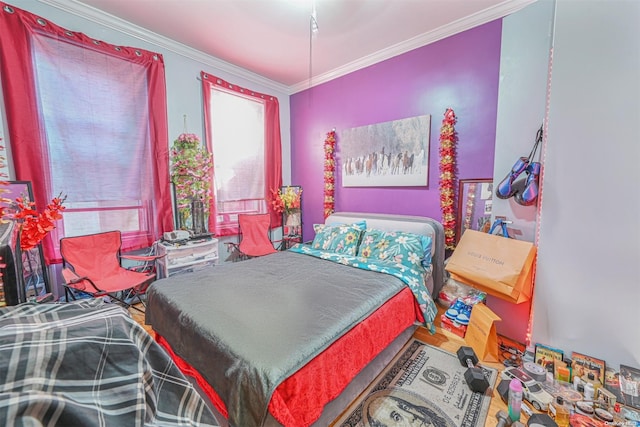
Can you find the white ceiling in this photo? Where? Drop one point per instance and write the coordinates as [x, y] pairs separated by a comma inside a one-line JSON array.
[[272, 38]]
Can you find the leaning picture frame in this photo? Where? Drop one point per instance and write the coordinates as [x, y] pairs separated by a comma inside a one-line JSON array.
[[28, 278], [474, 205]]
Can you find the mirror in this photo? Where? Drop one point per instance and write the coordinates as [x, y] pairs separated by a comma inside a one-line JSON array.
[[474, 205], [25, 275]]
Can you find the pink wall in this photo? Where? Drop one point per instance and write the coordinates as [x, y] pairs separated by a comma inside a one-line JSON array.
[[460, 72]]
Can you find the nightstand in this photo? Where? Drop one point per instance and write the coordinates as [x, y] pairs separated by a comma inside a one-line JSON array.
[[190, 256]]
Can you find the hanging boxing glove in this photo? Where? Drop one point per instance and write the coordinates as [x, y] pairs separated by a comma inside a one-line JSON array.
[[505, 188], [529, 194]]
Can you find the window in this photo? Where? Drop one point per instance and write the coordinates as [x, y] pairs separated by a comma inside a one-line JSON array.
[[237, 130], [98, 129], [243, 134], [104, 118]]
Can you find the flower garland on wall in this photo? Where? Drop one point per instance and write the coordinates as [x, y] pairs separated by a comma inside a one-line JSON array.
[[329, 170], [448, 139]]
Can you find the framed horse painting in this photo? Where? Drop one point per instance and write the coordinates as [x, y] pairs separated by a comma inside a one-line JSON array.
[[389, 154]]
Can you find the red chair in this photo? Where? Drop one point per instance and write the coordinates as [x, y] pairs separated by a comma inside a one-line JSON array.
[[92, 264], [254, 237]]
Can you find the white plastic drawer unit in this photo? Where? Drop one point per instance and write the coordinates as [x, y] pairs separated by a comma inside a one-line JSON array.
[[186, 257]]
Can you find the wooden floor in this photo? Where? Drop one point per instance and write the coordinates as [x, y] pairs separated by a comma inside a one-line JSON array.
[[139, 317]]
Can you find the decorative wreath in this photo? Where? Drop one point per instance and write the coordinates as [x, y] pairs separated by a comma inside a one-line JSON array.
[[329, 169], [448, 139]]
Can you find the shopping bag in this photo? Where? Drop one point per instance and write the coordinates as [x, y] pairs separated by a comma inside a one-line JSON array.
[[481, 333], [497, 265]]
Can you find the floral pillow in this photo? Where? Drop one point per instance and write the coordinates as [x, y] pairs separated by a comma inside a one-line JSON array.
[[399, 247], [340, 238], [362, 224]]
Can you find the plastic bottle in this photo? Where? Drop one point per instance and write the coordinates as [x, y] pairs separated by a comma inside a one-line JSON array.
[[590, 378], [577, 381], [559, 412], [589, 391], [515, 399]]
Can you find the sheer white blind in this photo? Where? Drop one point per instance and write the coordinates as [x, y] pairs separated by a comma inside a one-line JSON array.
[[238, 143], [95, 113]]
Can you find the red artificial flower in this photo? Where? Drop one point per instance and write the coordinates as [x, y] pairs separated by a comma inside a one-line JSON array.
[[35, 226]]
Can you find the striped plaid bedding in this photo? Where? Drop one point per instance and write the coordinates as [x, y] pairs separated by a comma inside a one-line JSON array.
[[89, 364]]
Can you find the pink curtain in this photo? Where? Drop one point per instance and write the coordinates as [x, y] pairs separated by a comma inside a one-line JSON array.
[[273, 147], [32, 152]]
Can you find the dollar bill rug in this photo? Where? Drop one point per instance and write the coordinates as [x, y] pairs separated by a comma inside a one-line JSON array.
[[422, 386]]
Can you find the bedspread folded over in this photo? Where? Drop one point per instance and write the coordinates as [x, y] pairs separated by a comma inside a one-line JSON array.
[[414, 278], [89, 364]]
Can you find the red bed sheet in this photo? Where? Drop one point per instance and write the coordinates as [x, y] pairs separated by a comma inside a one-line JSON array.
[[299, 400]]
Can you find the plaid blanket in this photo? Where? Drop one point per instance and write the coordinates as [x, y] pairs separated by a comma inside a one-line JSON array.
[[89, 364]]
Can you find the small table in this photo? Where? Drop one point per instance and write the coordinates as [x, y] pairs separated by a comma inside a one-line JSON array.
[[289, 241], [184, 257]]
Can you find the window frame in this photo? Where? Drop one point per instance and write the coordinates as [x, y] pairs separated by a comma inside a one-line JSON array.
[[28, 143], [273, 151]]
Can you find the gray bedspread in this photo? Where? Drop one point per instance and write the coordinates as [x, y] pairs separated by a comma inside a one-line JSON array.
[[248, 326], [88, 363]]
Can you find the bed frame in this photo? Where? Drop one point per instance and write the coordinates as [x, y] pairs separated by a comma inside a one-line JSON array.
[[414, 224]]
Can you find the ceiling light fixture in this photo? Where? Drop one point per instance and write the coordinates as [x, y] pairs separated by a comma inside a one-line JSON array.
[[313, 31], [314, 18]]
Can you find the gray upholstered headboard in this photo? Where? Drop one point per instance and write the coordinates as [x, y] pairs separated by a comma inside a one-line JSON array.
[[412, 224]]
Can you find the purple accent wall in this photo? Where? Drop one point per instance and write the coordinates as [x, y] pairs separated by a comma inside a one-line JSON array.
[[461, 72]]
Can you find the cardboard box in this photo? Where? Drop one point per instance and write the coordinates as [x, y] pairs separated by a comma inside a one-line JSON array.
[[453, 327]]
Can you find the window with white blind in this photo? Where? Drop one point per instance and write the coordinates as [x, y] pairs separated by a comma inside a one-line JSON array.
[[87, 120], [239, 146], [243, 133], [94, 112]]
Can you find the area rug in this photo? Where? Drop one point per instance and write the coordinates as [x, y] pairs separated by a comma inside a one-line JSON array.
[[422, 386]]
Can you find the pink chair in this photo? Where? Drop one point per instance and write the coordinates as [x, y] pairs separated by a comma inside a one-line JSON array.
[[92, 265], [254, 237]]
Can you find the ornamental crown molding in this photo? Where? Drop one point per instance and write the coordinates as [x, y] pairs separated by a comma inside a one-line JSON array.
[[110, 21]]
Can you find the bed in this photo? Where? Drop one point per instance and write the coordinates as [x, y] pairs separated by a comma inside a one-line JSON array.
[[289, 339], [88, 363]]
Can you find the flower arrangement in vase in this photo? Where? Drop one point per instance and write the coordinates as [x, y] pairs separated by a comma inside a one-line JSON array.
[[30, 227], [191, 167], [287, 201], [33, 227]]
